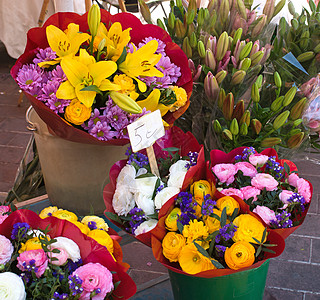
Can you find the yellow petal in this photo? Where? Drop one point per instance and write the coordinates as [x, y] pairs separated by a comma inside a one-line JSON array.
[[151, 102], [74, 70], [125, 102], [66, 91], [163, 109], [46, 64], [85, 58], [75, 37], [85, 97], [141, 85], [57, 40], [107, 85], [102, 70]]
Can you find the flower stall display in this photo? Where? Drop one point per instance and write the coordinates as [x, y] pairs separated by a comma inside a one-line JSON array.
[[205, 237], [135, 195], [48, 256], [90, 76], [270, 187]]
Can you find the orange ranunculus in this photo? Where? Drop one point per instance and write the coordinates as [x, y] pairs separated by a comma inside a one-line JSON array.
[[103, 238], [199, 189], [240, 255], [229, 203], [31, 244], [171, 219], [195, 230], [65, 215], [212, 223], [172, 244], [77, 113]]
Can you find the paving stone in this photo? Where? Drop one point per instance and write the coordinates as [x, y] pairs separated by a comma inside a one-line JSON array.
[[310, 226], [5, 186], [5, 137], [278, 294], [312, 297], [315, 256], [11, 154], [141, 276], [14, 124], [314, 206], [8, 172], [308, 167], [20, 139]]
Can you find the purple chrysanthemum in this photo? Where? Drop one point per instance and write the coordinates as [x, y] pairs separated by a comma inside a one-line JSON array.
[[161, 44], [58, 74], [96, 116], [102, 131], [44, 55], [30, 79]]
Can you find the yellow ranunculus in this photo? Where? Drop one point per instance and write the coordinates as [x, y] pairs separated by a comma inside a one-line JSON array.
[[83, 227], [125, 82], [77, 113], [248, 227], [171, 219], [212, 223], [172, 244], [199, 189], [195, 230], [192, 261], [95, 222], [31, 244], [102, 238], [240, 255], [65, 215], [47, 212], [229, 203], [181, 96]]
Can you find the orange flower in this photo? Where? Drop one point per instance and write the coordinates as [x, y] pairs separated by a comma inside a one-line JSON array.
[[229, 203], [240, 255], [199, 189], [171, 219], [172, 244], [195, 230], [102, 238], [212, 223]]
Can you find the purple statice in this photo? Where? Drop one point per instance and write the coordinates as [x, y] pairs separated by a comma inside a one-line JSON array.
[[247, 152], [102, 131], [72, 266], [96, 116], [57, 296], [221, 250], [282, 220], [238, 158], [26, 277], [92, 225], [226, 232], [274, 168], [138, 160], [58, 74], [58, 274], [184, 199], [30, 79], [193, 158], [137, 216], [30, 267], [75, 285], [161, 44], [208, 205], [46, 54], [160, 188], [19, 230], [298, 200]]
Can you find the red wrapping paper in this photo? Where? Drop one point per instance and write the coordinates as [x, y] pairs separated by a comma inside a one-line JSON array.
[[36, 38], [90, 250], [174, 137]]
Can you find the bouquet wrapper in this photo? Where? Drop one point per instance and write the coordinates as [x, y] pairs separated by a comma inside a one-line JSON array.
[[218, 156], [36, 38], [174, 137], [90, 250]]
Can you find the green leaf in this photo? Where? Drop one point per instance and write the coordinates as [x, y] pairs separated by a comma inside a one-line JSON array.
[[234, 214], [158, 182], [286, 168], [258, 242], [113, 217], [92, 88], [201, 249], [258, 251], [211, 247], [55, 250], [215, 216], [145, 175], [268, 250], [264, 234], [217, 264], [122, 57], [171, 149], [180, 226], [223, 219]]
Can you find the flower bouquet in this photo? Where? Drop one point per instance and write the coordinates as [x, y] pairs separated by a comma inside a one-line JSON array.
[[271, 188], [50, 258], [206, 237], [135, 195]]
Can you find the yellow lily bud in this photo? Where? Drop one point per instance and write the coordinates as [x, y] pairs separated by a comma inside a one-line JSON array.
[[297, 109], [201, 49], [277, 79], [217, 126], [222, 45], [288, 97], [243, 129], [227, 135], [221, 75], [145, 12], [245, 119], [94, 18], [296, 140], [270, 142], [255, 95], [245, 51], [228, 105], [306, 56], [186, 47], [277, 104], [281, 119], [125, 102], [238, 77], [224, 10], [222, 96], [234, 127], [180, 30]]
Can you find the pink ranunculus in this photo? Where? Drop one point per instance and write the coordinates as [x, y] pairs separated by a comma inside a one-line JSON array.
[[4, 209], [225, 172], [232, 191], [285, 195], [304, 189], [263, 180], [292, 179], [61, 257], [6, 250], [246, 168], [258, 159], [2, 218], [94, 276], [265, 213], [250, 191], [38, 256]]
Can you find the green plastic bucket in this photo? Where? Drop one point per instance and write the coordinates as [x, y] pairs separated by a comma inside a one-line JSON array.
[[245, 285]]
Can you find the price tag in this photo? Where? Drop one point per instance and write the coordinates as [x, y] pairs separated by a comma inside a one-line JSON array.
[[145, 131]]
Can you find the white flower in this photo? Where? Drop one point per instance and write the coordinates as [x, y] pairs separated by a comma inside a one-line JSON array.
[[123, 200], [126, 176], [11, 287], [177, 172], [146, 185], [69, 246], [164, 195], [146, 226], [144, 202]]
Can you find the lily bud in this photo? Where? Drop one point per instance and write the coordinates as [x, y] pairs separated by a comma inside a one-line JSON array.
[[217, 126], [211, 44], [304, 39], [234, 127], [255, 48], [277, 104], [256, 126], [238, 111], [190, 16], [270, 142], [224, 10], [281, 120], [195, 72], [245, 119], [297, 122], [190, 30], [297, 109], [222, 45], [256, 58], [279, 7], [241, 9], [227, 135], [228, 105], [255, 95], [296, 140], [262, 20], [259, 81], [221, 75], [180, 30], [291, 8], [282, 26], [94, 18], [179, 3], [160, 24], [288, 97], [237, 50], [269, 9], [211, 5], [193, 40], [243, 129], [295, 24], [306, 56], [200, 18], [236, 37], [277, 79], [238, 77], [201, 49], [211, 87], [245, 51], [192, 5], [222, 96], [186, 47], [145, 12], [245, 64], [101, 44], [171, 20], [209, 60]]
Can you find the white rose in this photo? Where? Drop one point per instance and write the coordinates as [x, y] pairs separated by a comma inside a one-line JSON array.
[[123, 200], [164, 195], [126, 176], [146, 185], [142, 171], [179, 166], [144, 202], [177, 173], [69, 246], [11, 287], [145, 226]]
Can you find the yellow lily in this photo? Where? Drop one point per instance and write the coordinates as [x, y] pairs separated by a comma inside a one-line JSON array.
[[141, 63], [65, 44], [81, 73]]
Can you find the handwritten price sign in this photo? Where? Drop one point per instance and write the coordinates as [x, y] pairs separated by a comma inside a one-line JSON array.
[[145, 131]]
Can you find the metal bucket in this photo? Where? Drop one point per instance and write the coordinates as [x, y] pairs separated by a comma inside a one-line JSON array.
[[74, 173]]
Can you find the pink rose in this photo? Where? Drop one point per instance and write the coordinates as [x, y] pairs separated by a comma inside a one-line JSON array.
[[94, 276], [304, 189], [225, 172], [232, 191], [4, 209], [6, 250], [38, 259], [292, 179], [250, 191], [258, 159], [285, 195], [263, 180], [61, 257], [265, 213], [246, 168]]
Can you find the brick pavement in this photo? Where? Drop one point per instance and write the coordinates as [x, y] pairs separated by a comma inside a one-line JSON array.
[[294, 275]]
